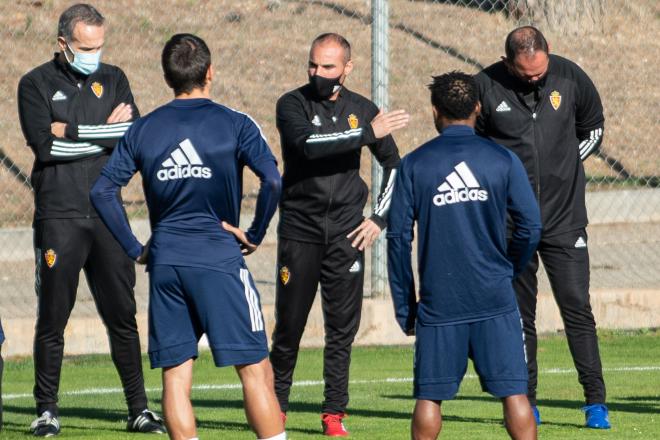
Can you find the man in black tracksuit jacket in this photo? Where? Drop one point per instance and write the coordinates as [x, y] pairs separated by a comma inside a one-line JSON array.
[[323, 127], [546, 110], [73, 110]]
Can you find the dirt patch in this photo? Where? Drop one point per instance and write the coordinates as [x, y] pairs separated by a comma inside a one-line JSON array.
[[261, 52]]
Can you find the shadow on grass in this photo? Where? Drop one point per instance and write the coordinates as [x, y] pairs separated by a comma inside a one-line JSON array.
[[649, 407], [243, 426], [8, 427], [315, 409], [229, 425], [614, 405], [300, 407], [222, 425], [655, 398]]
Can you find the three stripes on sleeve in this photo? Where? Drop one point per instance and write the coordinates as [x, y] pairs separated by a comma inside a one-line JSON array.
[[73, 149]]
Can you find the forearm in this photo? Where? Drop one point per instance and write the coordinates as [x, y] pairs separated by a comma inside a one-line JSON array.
[[521, 248], [382, 208], [319, 146], [402, 284], [590, 142], [105, 135], [64, 150], [300, 134], [269, 196], [36, 120], [104, 198]]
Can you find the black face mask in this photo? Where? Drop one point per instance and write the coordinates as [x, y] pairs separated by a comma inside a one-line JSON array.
[[325, 87]]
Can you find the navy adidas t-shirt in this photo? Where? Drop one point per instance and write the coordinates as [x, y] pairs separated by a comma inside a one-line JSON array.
[[459, 188], [191, 153]]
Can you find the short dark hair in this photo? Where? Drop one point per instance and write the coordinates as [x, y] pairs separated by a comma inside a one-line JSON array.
[[82, 12], [335, 38], [186, 59], [454, 95], [524, 40]]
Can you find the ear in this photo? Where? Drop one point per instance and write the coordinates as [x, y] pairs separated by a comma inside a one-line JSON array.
[[477, 108], [210, 73], [61, 42], [435, 112], [348, 68]]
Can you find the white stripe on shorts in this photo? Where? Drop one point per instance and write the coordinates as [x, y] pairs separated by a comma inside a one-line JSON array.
[[256, 320], [255, 302]]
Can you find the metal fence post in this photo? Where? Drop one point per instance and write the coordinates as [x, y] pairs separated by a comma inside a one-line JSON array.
[[379, 94]]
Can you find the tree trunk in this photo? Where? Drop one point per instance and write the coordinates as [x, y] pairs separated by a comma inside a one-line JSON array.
[[562, 16]]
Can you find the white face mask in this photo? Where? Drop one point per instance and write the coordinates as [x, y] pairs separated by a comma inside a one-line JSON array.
[[85, 63]]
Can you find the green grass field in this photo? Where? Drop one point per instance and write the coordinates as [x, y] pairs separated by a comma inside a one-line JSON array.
[[92, 407]]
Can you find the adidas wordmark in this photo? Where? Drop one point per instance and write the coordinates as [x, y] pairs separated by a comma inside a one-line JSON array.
[[460, 186], [183, 163]]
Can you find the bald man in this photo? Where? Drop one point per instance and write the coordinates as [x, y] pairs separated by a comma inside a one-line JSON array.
[[546, 110], [322, 231]]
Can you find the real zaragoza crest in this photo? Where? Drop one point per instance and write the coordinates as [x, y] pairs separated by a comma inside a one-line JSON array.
[[555, 99], [352, 121], [97, 88], [51, 258], [285, 275]]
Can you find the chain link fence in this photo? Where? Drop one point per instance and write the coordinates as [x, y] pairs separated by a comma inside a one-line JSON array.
[[260, 51]]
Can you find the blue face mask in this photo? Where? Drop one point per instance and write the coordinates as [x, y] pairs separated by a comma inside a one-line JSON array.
[[85, 63]]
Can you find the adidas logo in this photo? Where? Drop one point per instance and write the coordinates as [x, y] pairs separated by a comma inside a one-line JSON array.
[[460, 186], [356, 267], [184, 162], [59, 96], [316, 121], [580, 243], [503, 107]]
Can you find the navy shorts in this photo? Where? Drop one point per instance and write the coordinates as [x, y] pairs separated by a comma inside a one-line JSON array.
[[496, 346], [186, 302]]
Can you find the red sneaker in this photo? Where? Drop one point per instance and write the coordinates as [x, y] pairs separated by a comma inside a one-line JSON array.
[[333, 426]]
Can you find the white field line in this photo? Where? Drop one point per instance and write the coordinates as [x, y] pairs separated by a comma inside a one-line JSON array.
[[311, 383]]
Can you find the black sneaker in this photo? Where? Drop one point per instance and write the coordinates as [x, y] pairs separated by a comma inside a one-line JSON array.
[[45, 425], [146, 421]]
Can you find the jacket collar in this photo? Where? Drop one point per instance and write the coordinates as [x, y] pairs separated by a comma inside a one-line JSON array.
[[457, 130]]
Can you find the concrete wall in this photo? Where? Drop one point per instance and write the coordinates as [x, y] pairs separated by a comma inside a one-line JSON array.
[[620, 309]]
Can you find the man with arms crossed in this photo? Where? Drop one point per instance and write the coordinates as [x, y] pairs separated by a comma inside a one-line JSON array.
[[191, 154], [459, 188], [322, 232], [73, 109], [545, 109]]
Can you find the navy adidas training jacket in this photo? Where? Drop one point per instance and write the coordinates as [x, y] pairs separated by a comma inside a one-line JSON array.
[[459, 189]]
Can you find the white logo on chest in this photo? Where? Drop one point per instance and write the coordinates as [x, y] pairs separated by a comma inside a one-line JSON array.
[[183, 163]]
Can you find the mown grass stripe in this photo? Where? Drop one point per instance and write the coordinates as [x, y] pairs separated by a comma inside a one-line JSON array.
[[309, 383]]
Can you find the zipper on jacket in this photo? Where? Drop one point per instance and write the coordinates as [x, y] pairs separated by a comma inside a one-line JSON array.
[[84, 163], [334, 119], [89, 203], [327, 211], [537, 165]]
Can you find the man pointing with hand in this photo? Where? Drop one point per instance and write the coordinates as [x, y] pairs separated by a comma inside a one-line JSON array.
[[322, 231]]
